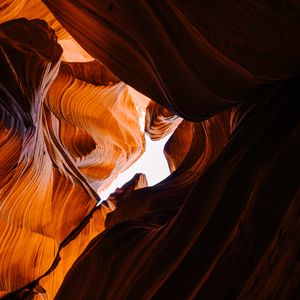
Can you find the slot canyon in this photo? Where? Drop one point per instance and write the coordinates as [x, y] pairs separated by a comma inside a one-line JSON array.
[[222, 78]]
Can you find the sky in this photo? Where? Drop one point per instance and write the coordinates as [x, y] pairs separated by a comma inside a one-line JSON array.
[[152, 163]]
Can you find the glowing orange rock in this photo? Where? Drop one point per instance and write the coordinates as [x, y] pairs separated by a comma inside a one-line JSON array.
[[36, 9], [55, 154], [97, 125], [159, 122], [224, 224]]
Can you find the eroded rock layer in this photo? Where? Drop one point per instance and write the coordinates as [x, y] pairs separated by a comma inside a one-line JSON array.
[[195, 58], [226, 232], [224, 224], [56, 151], [41, 202]]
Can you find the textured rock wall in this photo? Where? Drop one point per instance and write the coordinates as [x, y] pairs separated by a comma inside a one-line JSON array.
[[224, 79], [67, 130]]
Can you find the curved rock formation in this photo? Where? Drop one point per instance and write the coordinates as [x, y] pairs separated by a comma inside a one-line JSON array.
[[224, 224], [97, 124], [55, 154], [41, 202], [36, 9], [159, 122], [194, 58], [229, 234]]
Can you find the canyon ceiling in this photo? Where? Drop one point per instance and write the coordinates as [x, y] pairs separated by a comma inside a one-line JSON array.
[[77, 77]]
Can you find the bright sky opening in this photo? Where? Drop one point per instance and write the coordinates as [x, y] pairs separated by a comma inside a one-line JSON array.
[[152, 163]]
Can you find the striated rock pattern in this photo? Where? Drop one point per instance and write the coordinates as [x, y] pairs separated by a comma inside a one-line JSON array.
[[98, 125], [42, 201], [193, 57], [226, 232], [223, 78], [159, 121], [56, 151]]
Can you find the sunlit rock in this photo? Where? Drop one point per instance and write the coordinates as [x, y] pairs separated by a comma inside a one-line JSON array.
[[98, 125], [221, 77], [159, 121], [49, 173]]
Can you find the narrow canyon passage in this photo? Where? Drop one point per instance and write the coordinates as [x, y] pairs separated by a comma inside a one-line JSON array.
[[149, 149]]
